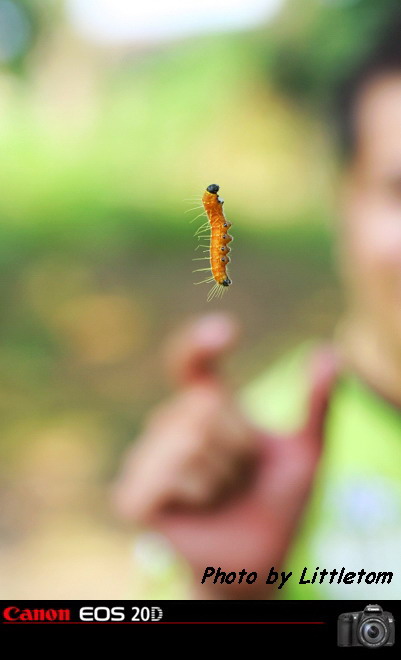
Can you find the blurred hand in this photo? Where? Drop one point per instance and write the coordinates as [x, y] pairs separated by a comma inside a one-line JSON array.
[[222, 491]]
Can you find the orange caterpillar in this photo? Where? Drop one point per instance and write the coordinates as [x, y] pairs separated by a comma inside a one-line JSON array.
[[218, 248]]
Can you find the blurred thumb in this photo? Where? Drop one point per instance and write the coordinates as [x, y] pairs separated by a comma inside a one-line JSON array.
[[325, 368], [193, 353]]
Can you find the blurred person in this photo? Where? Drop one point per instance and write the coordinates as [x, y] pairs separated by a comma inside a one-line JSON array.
[[227, 477]]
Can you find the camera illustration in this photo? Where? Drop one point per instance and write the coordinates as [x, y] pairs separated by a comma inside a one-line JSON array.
[[371, 628]]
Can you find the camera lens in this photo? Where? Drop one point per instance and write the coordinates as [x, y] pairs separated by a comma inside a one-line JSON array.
[[373, 632]]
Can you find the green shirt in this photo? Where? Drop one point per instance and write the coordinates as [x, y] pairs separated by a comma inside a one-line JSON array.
[[353, 516]]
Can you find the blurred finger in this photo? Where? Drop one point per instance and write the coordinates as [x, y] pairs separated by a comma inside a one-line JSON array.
[[325, 369], [193, 353]]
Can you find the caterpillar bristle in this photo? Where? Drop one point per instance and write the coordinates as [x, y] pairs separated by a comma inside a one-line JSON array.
[[213, 293], [202, 227], [193, 209], [196, 217]]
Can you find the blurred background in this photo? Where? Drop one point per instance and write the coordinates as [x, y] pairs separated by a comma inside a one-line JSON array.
[[113, 115]]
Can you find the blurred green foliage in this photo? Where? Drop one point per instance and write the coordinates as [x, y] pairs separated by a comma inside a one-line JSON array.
[[317, 43]]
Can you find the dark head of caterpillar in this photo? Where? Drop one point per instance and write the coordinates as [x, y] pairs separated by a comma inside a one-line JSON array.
[[213, 188], [226, 282]]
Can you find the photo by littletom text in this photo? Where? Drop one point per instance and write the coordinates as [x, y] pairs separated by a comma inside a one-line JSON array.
[[280, 578]]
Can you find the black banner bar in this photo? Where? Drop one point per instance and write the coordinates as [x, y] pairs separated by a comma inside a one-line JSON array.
[[313, 622]]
